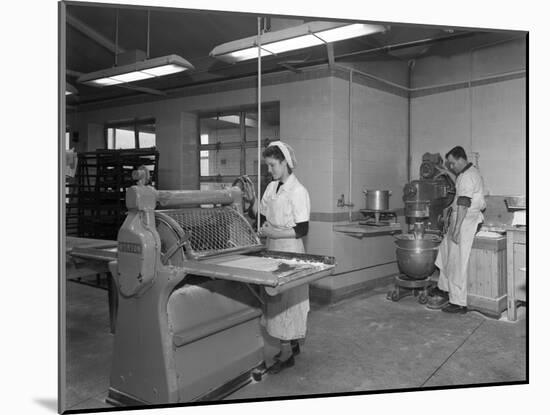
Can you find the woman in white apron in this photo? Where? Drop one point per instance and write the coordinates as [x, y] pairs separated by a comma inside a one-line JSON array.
[[286, 207]]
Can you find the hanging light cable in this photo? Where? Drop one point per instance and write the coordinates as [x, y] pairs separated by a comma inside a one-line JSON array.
[[116, 37], [258, 194], [136, 71], [148, 31]]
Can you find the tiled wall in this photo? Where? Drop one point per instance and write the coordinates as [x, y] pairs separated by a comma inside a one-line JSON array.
[[306, 124], [489, 118], [499, 135], [392, 70], [487, 59], [378, 143], [378, 152], [442, 121]]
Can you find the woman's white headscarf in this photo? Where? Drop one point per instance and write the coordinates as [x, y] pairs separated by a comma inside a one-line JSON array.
[[287, 151]]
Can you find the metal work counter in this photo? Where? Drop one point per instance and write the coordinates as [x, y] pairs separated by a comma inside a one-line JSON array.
[[359, 231], [516, 240], [73, 242], [82, 266]]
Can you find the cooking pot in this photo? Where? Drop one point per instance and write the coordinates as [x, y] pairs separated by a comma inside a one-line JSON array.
[[377, 199]]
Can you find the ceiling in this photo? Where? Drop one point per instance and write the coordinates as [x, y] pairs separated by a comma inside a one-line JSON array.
[[92, 37]]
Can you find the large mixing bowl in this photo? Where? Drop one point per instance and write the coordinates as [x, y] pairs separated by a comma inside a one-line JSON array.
[[416, 257]]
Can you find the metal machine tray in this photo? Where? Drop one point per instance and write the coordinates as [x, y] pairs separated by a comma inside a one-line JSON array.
[[276, 271]]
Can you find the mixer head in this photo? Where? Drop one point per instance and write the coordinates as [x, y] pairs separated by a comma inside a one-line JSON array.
[[426, 198], [428, 167], [417, 209]]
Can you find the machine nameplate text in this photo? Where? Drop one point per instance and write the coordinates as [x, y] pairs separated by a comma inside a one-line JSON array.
[[129, 247]]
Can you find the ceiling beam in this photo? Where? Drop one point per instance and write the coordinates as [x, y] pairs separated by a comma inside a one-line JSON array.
[[289, 67], [403, 45], [142, 89], [93, 34]]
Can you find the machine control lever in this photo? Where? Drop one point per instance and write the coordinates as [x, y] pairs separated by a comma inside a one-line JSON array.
[[173, 249]]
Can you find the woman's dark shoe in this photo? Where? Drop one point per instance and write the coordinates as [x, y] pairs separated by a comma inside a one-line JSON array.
[[280, 365], [295, 347]]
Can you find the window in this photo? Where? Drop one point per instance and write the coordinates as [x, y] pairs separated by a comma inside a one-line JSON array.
[[228, 144], [130, 134], [67, 148]]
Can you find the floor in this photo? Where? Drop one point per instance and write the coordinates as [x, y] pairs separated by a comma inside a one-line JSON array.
[[364, 343]]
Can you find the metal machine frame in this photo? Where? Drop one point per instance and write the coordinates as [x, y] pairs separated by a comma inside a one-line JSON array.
[[425, 202], [188, 327]]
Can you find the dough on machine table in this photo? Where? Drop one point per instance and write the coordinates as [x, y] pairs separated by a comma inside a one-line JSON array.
[[281, 267]]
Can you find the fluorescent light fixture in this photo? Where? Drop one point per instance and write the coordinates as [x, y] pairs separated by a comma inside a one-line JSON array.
[[150, 68], [70, 89], [293, 44], [104, 82], [293, 38], [347, 32], [164, 70], [245, 54], [132, 77]]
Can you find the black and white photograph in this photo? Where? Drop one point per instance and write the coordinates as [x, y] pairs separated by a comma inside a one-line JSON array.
[[267, 206], [265, 210]]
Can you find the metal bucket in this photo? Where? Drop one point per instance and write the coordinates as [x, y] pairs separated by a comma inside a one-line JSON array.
[[377, 199], [416, 257]]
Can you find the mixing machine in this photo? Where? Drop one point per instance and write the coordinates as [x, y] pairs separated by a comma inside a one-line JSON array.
[[193, 278], [426, 198], [416, 251]]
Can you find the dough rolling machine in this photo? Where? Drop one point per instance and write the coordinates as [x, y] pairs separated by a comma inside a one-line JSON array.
[[192, 276]]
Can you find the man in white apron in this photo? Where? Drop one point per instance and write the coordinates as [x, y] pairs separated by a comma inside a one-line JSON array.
[[285, 206], [454, 251]]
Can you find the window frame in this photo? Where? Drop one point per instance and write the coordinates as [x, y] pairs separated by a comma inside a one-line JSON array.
[[68, 137], [242, 144], [135, 123]]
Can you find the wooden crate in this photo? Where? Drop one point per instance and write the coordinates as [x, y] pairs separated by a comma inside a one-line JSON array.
[[487, 277]]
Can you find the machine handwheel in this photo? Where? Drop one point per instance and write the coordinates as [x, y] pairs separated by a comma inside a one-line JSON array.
[[423, 298]]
